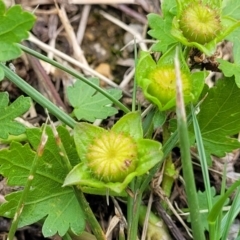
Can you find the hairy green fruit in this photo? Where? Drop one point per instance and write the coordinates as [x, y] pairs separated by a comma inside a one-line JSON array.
[[200, 23], [163, 84], [112, 156]]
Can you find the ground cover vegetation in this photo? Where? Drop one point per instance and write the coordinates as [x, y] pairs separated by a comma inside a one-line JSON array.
[[133, 156]]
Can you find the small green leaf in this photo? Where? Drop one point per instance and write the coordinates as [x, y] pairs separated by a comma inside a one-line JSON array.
[[234, 37], [161, 30], [149, 155], [88, 103], [219, 118], [47, 199], [9, 112], [169, 8], [232, 9], [215, 211], [203, 204], [131, 124], [230, 69], [159, 119], [14, 24], [84, 133], [145, 65]]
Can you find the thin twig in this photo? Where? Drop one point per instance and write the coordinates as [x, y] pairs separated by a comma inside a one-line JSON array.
[[53, 19], [102, 1], [46, 82], [146, 221], [78, 53], [125, 27], [170, 224], [132, 13], [83, 23], [73, 61]]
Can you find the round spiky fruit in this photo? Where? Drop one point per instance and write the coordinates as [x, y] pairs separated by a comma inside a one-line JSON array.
[[163, 84], [200, 23], [112, 156]]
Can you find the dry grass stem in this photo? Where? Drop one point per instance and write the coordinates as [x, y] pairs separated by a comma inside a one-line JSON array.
[[132, 13], [73, 61], [127, 28], [145, 225], [77, 53], [127, 79], [52, 42], [83, 23], [102, 1]]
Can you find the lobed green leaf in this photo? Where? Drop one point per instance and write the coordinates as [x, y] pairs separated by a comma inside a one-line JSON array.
[[161, 30], [47, 198], [231, 9], [88, 103], [230, 69], [219, 118], [14, 26], [203, 204], [8, 125]]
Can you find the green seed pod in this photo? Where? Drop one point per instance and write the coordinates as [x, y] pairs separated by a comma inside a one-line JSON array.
[[112, 156], [158, 79], [163, 84], [111, 159], [200, 23]]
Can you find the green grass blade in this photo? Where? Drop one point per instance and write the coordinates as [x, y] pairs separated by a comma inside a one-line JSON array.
[[219, 224], [203, 160], [76, 75], [204, 168], [38, 97], [197, 228], [215, 211], [231, 215]]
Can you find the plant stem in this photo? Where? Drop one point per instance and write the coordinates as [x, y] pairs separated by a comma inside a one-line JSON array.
[[204, 166], [95, 227], [38, 97], [132, 185], [130, 203], [133, 225], [11, 138], [156, 229], [134, 95], [167, 148], [132, 209], [76, 75], [170, 172], [121, 235], [169, 176], [27, 186], [189, 181], [186, 52], [196, 222]]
